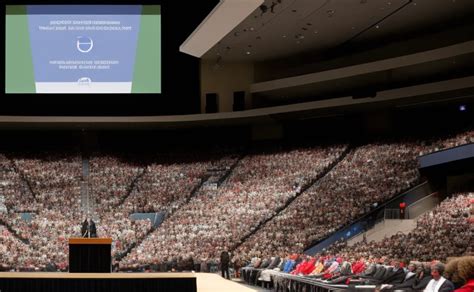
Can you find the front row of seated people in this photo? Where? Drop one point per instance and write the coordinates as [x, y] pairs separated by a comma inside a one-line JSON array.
[[381, 274]]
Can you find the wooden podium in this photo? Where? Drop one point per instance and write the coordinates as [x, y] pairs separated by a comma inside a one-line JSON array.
[[90, 255]]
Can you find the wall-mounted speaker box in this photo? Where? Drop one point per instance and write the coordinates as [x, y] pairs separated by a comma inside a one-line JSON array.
[[239, 101], [212, 103]]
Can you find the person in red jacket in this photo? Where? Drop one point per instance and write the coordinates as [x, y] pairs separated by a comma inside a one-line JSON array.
[[359, 266], [402, 206], [304, 267], [308, 267]]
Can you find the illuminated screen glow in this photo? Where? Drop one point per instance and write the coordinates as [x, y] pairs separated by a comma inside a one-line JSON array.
[[83, 49]]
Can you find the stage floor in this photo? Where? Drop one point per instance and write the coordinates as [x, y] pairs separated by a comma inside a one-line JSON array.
[[215, 283], [206, 282]]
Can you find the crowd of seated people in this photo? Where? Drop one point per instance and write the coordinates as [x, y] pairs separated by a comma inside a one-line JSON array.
[[17, 196], [444, 232], [369, 175], [437, 144], [48, 231], [111, 177], [401, 262], [55, 180], [52, 180], [123, 231], [378, 274], [258, 185], [13, 252], [168, 183]]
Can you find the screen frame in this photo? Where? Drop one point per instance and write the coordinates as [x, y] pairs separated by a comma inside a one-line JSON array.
[[173, 99]]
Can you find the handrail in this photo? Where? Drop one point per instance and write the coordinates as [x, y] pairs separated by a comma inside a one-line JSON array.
[[441, 150], [367, 215]]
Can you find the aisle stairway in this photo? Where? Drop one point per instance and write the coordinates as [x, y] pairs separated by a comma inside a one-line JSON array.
[[87, 201], [385, 228]]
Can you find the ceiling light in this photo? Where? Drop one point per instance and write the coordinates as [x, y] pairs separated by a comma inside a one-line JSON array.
[[248, 53], [330, 12]]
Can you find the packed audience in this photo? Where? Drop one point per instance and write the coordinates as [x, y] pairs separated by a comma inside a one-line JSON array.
[[369, 175], [54, 179], [50, 228], [372, 273], [16, 193], [168, 183], [13, 252], [259, 185], [438, 144], [444, 232], [111, 177], [265, 185], [123, 231]]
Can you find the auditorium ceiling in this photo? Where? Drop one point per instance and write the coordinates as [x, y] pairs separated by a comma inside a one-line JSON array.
[[281, 28]]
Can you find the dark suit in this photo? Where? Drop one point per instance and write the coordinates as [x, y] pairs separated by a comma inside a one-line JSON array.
[[274, 263], [394, 277], [93, 229], [369, 272], [420, 284], [388, 272], [88, 229], [407, 283], [379, 272], [84, 229], [225, 259]]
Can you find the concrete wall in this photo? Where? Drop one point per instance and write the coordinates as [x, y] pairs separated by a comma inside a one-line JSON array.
[[317, 61], [224, 79]]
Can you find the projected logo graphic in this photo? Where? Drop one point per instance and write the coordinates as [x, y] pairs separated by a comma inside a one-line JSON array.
[[84, 81], [84, 44]]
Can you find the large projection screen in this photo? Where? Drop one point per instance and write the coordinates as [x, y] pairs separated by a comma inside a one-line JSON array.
[[83, 49]]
